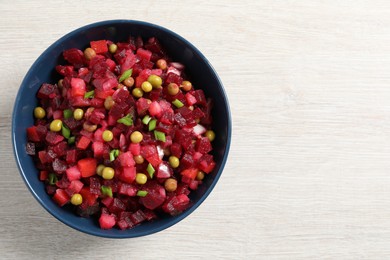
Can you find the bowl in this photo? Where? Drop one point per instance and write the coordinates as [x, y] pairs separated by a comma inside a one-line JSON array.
[[199, 71]]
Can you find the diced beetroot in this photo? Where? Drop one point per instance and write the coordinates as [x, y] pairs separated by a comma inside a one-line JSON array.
[[57, 114], [122, 142], [32, 134], [143, 76], [88, 198], [155, 109], [97, 102], [83, 143], [53, 138], [190, 173], [47, 91], [203, 145], [105, 84], [87, 167], [100, 93], [72, 123], [111, 64], [79, 101], [78, 87], [75, 186], [149, 214], [173, 78], [73, 173], [71, 156], [164, 170], [99, 46], [144, 54], [96, 116], [149, 152], [126, 159], [128, 61], [121, 95], [41, 131], [176, 150], [194, 184], [107, 201], [106, 221], [43, 175], [155, 196], [65, 70], [74, 56], [154, 46], [191, 100], [117, 206], [206, 163], [135, 148], [59, 166], [61, 148], [98, 149], [61, 197], [94, 186], [128, 174], [167, 117], [98, 135], [127, 189], [138, 217], [200, 97], [176, 205], [142, 106]]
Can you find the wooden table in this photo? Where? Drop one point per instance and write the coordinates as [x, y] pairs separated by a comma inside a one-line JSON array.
[[308, 175]]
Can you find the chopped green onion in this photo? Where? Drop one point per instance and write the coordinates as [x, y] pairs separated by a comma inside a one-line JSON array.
[[150, 170], [177, 103], [67, 113], [126, 75], [159, 136], [126, 120], [146, 119], [106, 190], [65, 131], [52, 178], [152, 124], [113, 154], [142, 193], [89, 94], [71, 140]]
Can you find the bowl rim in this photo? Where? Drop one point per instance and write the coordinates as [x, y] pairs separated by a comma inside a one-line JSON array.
[[126, 233]]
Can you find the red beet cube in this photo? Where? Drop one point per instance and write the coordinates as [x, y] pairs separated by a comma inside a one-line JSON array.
[[73, 173], [99, 46], [61, 197], [87, 167]]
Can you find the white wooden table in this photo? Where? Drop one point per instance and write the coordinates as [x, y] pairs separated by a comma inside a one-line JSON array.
[[308, 175]]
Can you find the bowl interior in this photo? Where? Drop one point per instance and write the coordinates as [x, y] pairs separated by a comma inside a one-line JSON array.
[[200, 73]]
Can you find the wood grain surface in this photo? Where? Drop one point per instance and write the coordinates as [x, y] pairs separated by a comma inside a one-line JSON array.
[[308, 174]]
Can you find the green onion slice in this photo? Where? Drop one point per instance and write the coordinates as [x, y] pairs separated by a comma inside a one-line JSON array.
[[126, 75], [65, 131], [152, 124], [142, 193], [159, 135], [126, 120], [177, 103], [52, 178], [89, 94], [150, 170], [146, 119], [106, 190], [67, 113]]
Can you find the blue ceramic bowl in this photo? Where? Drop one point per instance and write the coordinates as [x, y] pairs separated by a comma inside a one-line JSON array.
[[201, 74]]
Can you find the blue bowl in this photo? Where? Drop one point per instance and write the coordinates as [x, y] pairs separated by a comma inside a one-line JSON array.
[[199, 71]]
